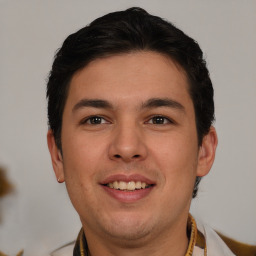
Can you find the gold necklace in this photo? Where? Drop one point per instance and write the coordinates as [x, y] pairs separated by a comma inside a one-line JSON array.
[[196, 237]]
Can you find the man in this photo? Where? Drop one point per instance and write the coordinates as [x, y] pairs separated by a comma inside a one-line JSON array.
[[130, 108]]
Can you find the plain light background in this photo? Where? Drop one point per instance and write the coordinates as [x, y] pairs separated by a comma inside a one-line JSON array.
[[38, 217]]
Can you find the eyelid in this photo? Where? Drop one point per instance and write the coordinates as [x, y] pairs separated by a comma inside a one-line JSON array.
[[86, 119], [170, 121]]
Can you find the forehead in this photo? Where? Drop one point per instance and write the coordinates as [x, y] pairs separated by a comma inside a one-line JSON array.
[[131, 76]]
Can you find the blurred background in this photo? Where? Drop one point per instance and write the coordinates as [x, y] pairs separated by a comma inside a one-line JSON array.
[[37, 215]]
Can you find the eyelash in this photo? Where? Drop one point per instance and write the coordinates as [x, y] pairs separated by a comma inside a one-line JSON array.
[[85, 121], [158, 117], [153, 120]]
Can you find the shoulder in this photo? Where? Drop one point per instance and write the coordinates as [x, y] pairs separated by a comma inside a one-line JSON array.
[[218, 244], [238, 247], [215, 245]]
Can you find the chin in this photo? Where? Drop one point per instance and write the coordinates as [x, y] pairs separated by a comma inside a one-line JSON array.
[[129, 229]]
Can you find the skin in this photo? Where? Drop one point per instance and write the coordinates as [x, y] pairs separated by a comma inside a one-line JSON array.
[[128, 141]]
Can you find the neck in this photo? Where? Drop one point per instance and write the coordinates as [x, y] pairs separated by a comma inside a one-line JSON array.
[[173, 241]]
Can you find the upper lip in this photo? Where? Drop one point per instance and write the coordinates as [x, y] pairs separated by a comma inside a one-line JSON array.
[[127, 178]]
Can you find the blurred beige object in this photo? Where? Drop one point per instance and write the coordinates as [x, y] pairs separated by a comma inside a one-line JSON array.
[[19, 253], [5, 186]]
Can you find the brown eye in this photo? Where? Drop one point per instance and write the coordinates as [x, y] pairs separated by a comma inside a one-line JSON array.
[[159, 120], [94, 120]]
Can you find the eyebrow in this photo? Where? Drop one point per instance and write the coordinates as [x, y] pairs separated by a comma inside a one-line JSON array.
[[163, 102], [151, 103], [94, 103]]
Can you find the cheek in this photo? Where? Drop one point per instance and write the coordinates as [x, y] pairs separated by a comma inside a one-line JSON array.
[[176, 156], [82, 152], [80, 165]]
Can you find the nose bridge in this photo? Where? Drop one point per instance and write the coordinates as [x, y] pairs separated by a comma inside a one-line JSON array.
[[127, 141]]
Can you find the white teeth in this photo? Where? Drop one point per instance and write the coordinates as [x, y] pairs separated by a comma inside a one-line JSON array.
[[131, 185], [138, 185], [115, 185], [122, 185]]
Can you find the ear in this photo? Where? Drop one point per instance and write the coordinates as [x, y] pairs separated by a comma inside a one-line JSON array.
[[57, 161], [207, 151]]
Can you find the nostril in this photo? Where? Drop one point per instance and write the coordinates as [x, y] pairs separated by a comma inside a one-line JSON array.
[[119, 156]]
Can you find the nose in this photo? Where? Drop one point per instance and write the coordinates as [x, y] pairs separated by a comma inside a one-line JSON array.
[[127, 144]]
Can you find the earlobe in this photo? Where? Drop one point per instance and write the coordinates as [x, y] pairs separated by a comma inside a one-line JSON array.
[[207, 151], [56, 157]]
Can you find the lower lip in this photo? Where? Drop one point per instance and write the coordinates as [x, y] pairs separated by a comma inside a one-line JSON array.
[[128, 196]]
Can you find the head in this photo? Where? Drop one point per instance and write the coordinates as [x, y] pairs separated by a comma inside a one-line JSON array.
[[132, 37], [133, 30]]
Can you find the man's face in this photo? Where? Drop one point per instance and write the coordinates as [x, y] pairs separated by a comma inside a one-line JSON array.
[[129, 143]]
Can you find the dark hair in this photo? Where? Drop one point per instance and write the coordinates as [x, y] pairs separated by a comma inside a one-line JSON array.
[[123, 32]]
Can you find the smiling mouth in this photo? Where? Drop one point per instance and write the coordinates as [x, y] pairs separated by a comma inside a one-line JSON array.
[[128, 186]]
